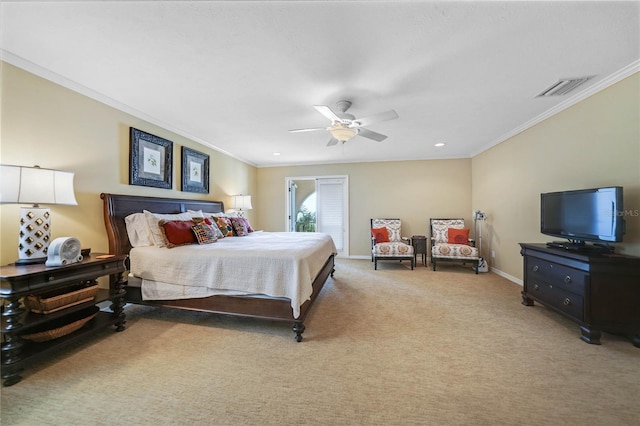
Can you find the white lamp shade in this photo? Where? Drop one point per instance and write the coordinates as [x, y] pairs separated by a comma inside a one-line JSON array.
[[35, 185], [241, 202]]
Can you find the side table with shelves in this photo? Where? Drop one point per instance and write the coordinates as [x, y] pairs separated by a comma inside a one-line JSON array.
[[419, 243], [19, 281]]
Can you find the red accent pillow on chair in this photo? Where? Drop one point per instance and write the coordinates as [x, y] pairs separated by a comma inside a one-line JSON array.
[[380, 234], [458, 236]]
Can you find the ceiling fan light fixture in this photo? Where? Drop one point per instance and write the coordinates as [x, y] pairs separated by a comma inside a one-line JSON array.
[[342, 132]]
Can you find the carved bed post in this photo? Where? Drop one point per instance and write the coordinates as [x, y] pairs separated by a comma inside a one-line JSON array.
[[117, 307], [298, 328]]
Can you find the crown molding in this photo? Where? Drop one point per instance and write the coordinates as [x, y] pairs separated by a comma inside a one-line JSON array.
[[608, 81], [60, 80]]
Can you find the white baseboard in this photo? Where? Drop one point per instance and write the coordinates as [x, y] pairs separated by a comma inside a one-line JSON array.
[[507, 276], [494, 270], [359, 257]]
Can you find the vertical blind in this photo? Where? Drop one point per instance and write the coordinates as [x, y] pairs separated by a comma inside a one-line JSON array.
[[330, 209]]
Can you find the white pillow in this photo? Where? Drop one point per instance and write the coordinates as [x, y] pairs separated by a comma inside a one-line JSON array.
[[218, 214], [154, 218], [138, 230]]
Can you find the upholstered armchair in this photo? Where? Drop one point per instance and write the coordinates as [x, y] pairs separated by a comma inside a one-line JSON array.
[[387, 242], [450, 242]]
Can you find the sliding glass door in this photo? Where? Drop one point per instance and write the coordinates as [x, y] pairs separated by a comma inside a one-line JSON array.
[[319, 204]]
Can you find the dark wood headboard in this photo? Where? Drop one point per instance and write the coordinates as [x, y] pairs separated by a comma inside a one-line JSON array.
[[117, 207]]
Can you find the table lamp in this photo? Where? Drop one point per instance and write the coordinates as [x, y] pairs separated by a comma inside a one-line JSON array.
[[35, 186], [241, 203]]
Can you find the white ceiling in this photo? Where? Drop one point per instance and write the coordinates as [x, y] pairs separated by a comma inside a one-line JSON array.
[[236, 76]]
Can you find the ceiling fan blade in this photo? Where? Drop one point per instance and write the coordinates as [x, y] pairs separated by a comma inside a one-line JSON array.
[[369, 134], [308, 130], [327, 112], [375, 118], [332, 142]]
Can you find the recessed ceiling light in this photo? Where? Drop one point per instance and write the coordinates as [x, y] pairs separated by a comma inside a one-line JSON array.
[[439, 144], [276, 153]]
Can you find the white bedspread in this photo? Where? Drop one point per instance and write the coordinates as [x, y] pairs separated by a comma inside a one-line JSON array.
[[276, 264]]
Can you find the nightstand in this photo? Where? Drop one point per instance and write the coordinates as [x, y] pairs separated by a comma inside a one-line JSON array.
[[419, 243], [19, 281]]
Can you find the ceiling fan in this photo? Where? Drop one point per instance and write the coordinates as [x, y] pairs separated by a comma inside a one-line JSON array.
[[345, 126]]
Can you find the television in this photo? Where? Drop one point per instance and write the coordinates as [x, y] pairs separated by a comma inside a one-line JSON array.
[[594, 215]]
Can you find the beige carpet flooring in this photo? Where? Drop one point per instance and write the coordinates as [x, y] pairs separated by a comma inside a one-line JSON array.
[[386, 347]]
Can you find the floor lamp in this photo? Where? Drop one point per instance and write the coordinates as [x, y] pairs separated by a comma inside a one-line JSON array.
[[35, 186], [478, 218]]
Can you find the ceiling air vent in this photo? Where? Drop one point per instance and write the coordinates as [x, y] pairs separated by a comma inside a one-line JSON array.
[[564, 86]]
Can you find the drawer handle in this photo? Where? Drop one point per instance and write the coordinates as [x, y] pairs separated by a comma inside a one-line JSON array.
[[567, 279], [567, 301], [535, 268]]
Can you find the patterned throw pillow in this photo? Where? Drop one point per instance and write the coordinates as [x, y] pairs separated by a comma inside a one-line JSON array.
[[225, 226], [248, 225], [239, 226], [219, 233], [205, 234], [209, 221]]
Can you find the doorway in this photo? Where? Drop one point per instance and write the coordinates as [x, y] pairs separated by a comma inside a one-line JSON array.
[[319, 204]]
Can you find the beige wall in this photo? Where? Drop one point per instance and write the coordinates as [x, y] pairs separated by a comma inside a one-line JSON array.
[[593, 143], [45, 124], [411, 190]]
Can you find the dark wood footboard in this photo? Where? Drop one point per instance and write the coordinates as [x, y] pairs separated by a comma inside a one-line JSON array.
[[265, 308]]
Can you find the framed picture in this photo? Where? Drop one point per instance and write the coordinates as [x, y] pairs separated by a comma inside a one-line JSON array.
[[195, 171], [150, 160]]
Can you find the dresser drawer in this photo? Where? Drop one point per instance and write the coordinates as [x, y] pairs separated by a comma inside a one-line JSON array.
[[569, 279], [550, 295]]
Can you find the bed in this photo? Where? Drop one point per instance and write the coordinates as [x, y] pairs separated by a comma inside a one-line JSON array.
[[269, 307]]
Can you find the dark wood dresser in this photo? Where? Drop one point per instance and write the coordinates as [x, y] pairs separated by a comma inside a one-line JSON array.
[[599, 291]]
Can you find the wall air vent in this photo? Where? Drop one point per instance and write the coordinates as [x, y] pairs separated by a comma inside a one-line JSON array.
[[564, 86]]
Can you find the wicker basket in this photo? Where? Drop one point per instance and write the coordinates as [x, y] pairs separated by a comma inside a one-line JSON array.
[[56, 300], [63, 326]]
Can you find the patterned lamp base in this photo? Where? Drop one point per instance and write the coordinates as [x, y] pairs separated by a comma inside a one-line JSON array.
[[35, 234]]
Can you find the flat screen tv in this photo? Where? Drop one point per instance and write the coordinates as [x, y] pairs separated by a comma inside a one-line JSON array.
[[583, 215]]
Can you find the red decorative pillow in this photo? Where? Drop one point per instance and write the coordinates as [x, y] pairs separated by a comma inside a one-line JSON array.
[[458, 236], [380, 234], [177, 232]]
